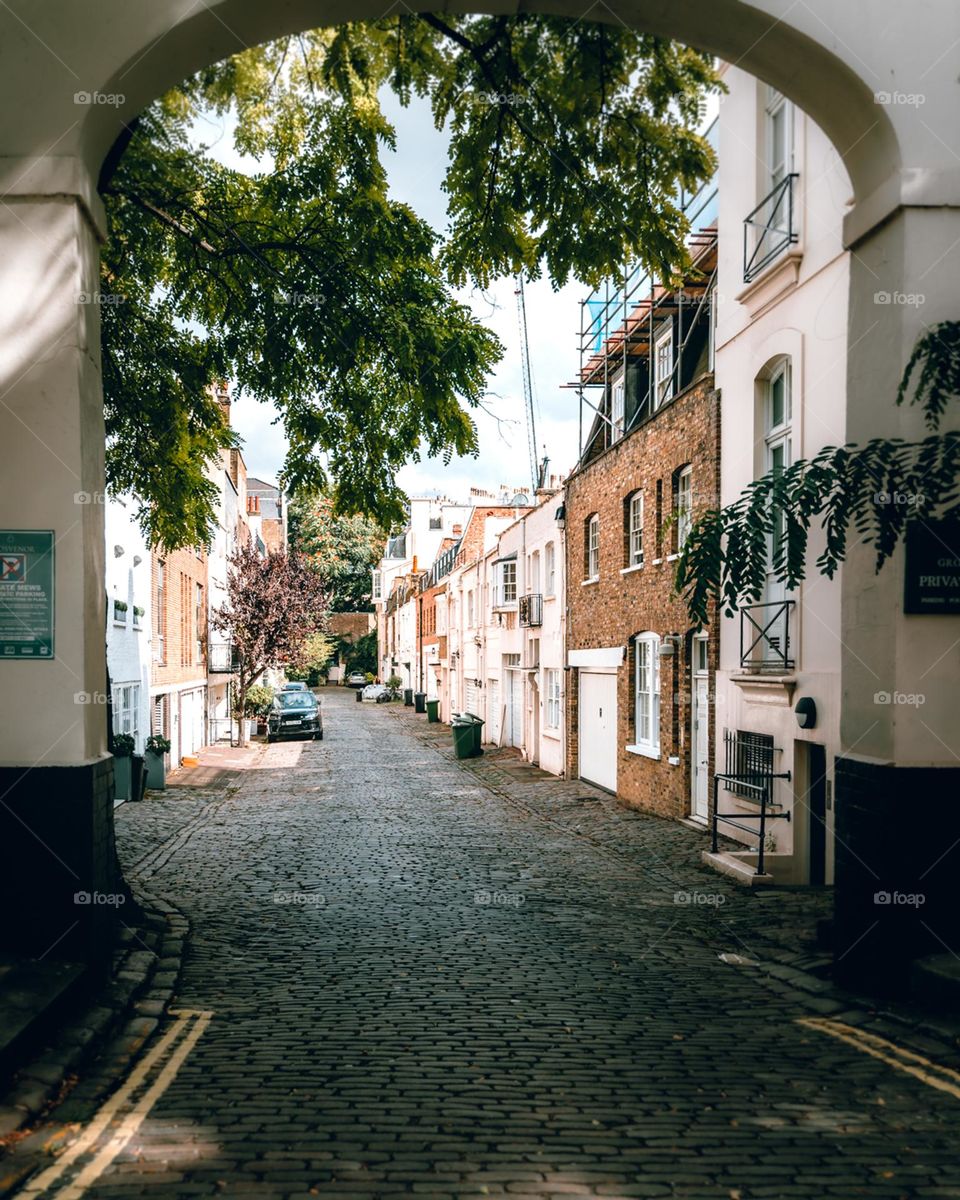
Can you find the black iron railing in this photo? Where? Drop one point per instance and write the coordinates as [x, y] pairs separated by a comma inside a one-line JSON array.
[[769, 229], [765, 636], [222, 658], [531, 609], [748, 773]]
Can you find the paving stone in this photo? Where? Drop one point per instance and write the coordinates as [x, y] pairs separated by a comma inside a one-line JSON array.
[[377, 1032]]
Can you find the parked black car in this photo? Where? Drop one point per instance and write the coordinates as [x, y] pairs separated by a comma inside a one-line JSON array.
[[294, 714]]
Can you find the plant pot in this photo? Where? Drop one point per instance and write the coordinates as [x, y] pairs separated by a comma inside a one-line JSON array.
[[137, 781], [122, 777], [155, 770]]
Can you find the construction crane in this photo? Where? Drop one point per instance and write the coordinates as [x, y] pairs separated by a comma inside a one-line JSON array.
[[527, 384]]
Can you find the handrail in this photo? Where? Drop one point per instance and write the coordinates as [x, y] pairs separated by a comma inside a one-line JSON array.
[[779, 655], [780, 235], [765, 789]]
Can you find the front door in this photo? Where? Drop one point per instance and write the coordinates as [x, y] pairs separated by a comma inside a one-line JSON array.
[[514, 709], [700, 747], [597, 727]]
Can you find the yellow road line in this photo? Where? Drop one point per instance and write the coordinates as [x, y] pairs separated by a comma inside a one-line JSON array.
[[182, 1037], [944, 1079]]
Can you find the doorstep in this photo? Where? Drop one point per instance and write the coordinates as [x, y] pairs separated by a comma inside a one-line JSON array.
[[735, 866]]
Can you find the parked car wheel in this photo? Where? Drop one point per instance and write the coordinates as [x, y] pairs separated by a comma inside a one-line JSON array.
[[270, 738]]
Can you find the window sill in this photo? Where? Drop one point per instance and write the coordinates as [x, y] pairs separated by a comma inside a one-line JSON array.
[[672, 557], [630, 570], [551, 597], [590, 582], [119, 624], [655, 562], [553, 734], [644, 752]]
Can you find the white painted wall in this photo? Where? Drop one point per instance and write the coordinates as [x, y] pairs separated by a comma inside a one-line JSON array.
[[797, 308], [128, 637]]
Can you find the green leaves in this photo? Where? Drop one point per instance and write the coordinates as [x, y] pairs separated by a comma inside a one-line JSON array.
[[870, 492], [312, 290]]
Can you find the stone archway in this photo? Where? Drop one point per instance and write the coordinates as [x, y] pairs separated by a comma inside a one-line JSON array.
[[903, 228]]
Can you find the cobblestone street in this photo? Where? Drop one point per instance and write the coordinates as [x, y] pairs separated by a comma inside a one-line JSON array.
[[422, 983]]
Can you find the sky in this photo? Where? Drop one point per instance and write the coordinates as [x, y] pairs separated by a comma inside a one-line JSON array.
[[415, 172]]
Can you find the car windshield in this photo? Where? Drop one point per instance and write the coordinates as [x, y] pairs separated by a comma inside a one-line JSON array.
[[296, 700]]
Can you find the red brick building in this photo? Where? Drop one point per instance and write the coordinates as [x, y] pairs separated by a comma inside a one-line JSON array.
[[640, 678], [179, 678]]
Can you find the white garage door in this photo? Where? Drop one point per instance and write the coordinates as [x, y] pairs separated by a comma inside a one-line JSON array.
[[598, 729]]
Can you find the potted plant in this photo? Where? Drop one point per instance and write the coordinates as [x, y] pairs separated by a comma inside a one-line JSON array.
[[120, 612], [157, 747], [123, 747], [258, 701], [393, 683], [138, 614]]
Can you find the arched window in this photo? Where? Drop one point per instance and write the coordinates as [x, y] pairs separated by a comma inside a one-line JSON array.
[[646, 682], [591, 547], [633, 529]]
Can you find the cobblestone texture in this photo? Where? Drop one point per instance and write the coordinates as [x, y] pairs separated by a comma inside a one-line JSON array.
[[422, 987]]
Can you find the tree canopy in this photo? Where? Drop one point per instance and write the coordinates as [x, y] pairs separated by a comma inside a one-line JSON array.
[[342, 548], [314, 291], [871, 492]]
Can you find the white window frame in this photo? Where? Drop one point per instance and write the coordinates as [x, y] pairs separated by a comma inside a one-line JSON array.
[[635, 530], [779, 164], [646, 697], [662, 370], [533, 586], [376, 587], [199, 614], [550, 569], [778, 443], [593, 547], [551, 690], [126, 711], [471, 610], [684, 516], [617, 410], [505, 584]]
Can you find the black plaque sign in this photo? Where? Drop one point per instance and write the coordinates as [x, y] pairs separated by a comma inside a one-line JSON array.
[[932, 583]]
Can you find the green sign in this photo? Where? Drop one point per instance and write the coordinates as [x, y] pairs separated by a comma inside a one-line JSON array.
[[26, 593]]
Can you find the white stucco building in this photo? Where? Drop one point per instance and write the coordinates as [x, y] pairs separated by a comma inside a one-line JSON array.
[[781, 316], [128, 621]]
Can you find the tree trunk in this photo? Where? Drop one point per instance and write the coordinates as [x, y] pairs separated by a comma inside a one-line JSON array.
[[240, 707]]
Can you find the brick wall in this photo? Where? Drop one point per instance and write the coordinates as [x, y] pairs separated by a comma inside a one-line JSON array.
[[352, 625], [175, 617], [473, 537], [614, 610]]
